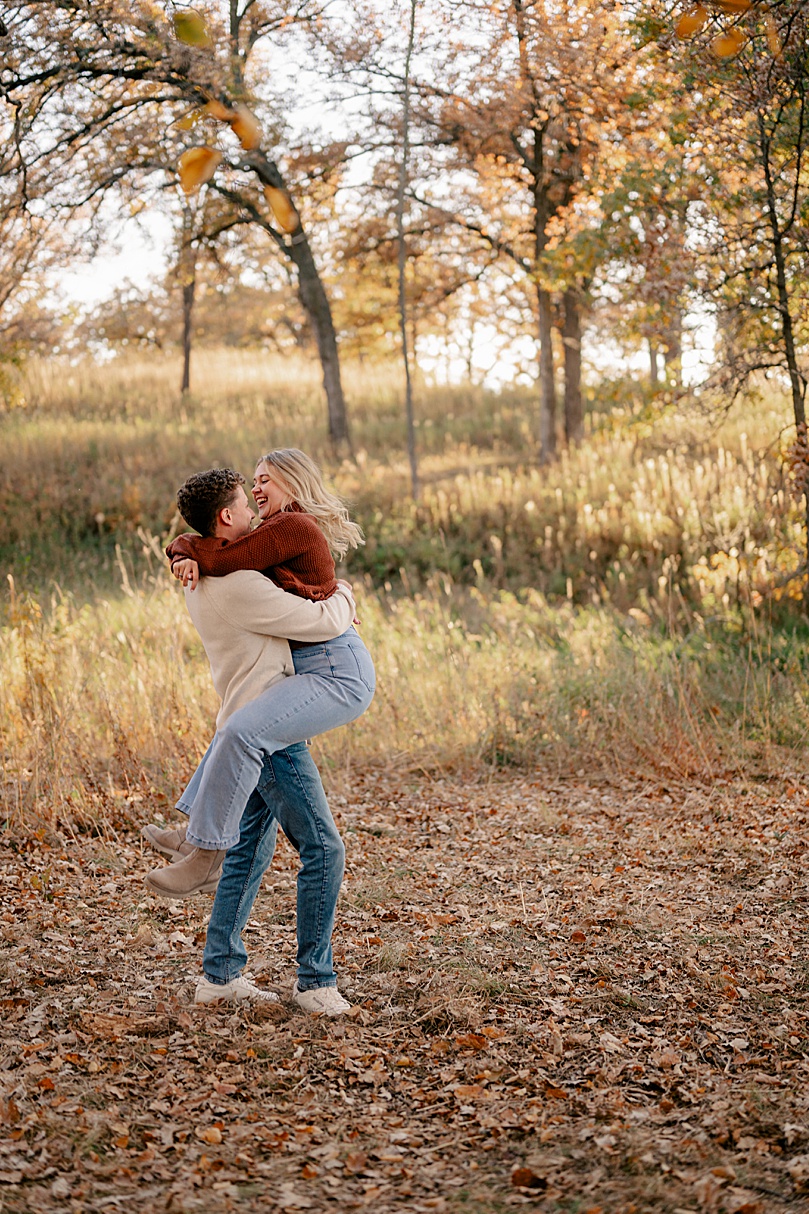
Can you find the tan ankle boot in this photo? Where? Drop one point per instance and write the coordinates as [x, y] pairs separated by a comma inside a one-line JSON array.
[[170, 843], [196, 873]]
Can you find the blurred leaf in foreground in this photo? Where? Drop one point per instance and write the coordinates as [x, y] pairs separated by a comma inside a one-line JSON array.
[[245, 125], [725, 46], [281, 206], [691, 23], [196, 166], [190, 28]]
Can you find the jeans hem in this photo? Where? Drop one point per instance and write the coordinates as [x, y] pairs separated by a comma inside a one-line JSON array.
[[217, 981], [209, 845]]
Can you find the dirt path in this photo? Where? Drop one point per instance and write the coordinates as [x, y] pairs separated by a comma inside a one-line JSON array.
[[571, 998]]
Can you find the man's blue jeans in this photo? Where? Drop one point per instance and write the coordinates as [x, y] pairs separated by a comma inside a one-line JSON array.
[[333, 684], [290, 795]]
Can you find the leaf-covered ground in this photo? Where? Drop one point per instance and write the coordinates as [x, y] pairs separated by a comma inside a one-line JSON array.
[[566, 998]]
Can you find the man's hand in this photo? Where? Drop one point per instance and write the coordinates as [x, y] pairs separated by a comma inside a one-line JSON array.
[[187, 572], [346, 586]]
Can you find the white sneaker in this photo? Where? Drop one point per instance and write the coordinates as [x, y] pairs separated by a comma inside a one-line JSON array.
[[239, 990], [321, 1000]]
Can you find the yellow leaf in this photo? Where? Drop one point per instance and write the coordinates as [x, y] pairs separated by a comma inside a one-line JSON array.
[[185, 124], [209, 1133], [734, 6], [217, 110], [196, 166], [281, 206], [773, 36], [725, 46], [190, 28], [245, 124], [691, 23]]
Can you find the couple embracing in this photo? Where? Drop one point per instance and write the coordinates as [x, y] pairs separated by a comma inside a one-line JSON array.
[[287, 664]]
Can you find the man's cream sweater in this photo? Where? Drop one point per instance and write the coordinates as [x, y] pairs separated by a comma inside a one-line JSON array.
[[241, 619]]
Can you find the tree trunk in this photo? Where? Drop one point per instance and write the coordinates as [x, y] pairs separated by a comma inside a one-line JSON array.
[[189, 290], [315, 301], [547, 385], [796, 380], [188, 283], [402, 261], [571, 337], [470, 355], [653, 369], [547, 388], [673, 355]]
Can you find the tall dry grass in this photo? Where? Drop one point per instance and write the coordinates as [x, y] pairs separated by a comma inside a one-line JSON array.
[[647, 505], [626, 609], [106, 707]]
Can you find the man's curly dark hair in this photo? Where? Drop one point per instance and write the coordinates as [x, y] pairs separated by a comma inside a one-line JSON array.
[[204, 494]]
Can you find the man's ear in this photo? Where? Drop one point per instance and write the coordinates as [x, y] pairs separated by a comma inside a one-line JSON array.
[[225, 517]]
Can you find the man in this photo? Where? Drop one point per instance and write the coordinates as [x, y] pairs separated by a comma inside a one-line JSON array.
[[241, 619]]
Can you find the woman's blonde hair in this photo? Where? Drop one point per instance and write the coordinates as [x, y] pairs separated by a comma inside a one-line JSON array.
[[299, 476]]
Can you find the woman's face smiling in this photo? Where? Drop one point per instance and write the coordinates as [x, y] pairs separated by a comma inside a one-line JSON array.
[[268, 495]]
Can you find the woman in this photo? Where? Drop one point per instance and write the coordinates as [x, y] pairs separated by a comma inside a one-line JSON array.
[[334, 681]]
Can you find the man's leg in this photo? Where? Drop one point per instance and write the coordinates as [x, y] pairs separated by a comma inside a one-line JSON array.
[[225, 956], [292, 793], [306, 820]]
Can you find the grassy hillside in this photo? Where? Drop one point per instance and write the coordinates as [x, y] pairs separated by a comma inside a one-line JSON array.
[[629, 607], [653, 502]]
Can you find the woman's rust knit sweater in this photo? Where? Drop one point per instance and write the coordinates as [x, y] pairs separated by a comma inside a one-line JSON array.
[[288, 547]]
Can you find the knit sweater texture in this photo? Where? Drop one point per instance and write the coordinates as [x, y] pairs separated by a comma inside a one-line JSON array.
[[288, 547], [241, 618]]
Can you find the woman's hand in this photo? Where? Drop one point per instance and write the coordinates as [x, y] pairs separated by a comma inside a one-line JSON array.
[[187, 572]]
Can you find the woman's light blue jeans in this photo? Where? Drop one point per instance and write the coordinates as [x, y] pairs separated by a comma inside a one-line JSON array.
[[333, 684], [289, 794]]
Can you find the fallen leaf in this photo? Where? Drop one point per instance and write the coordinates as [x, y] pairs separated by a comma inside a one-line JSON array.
[[527, 1178], [209, 1133], [471, 1041], [798, 1169]]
